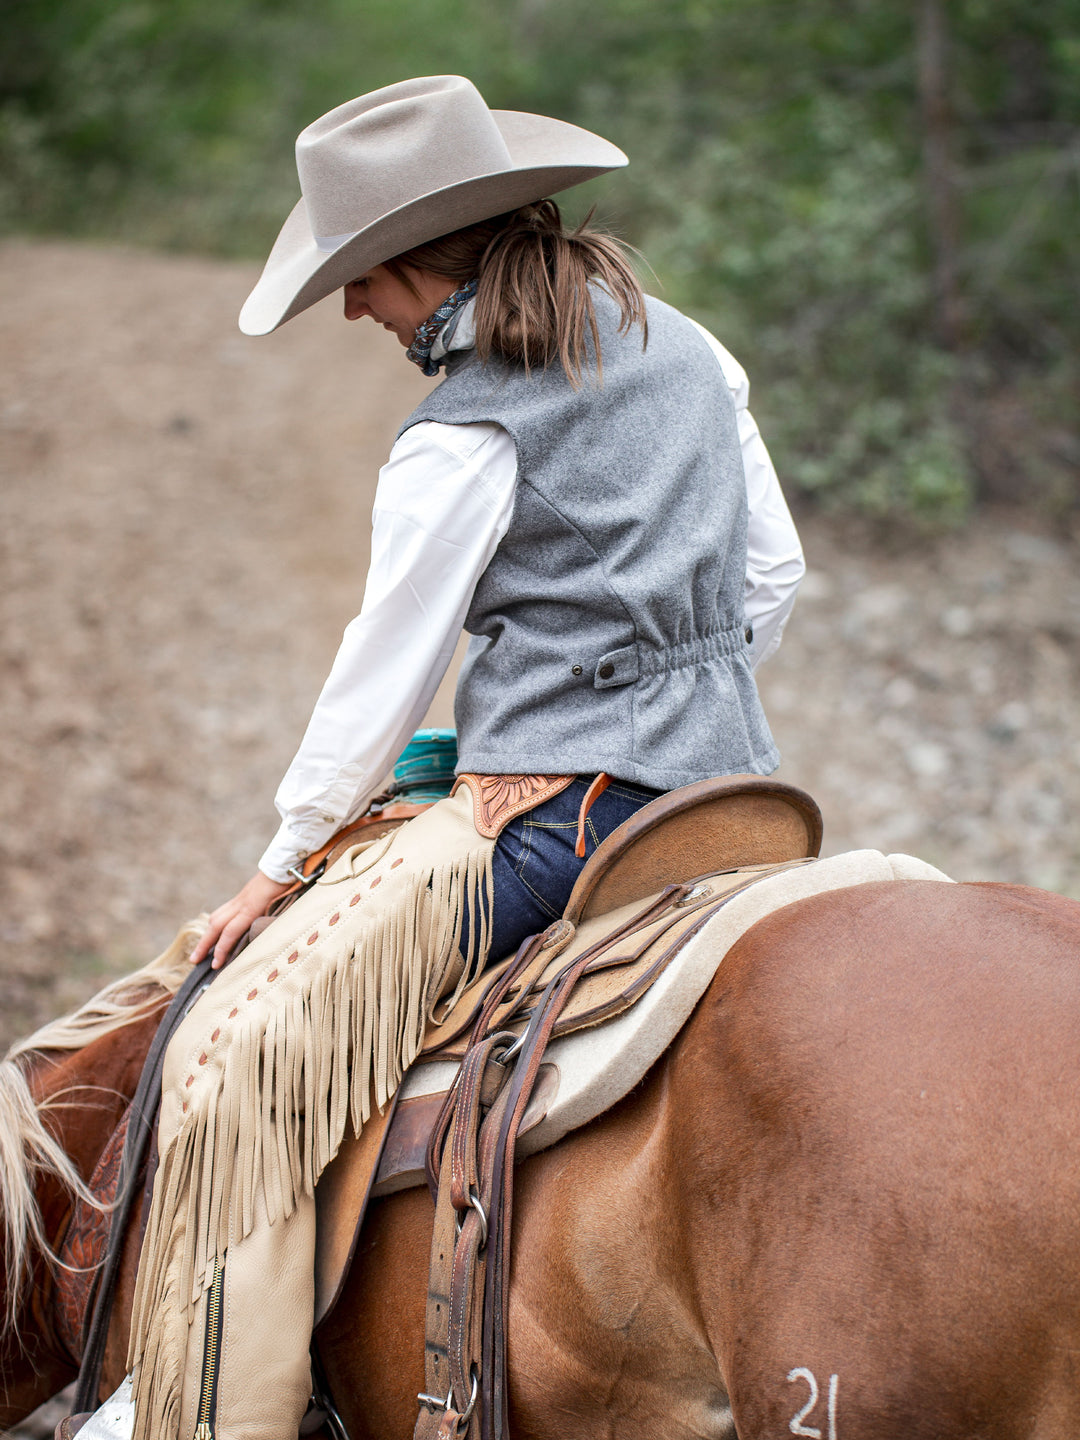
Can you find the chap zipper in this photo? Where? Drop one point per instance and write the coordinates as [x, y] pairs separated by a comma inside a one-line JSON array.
[[204, 1430]]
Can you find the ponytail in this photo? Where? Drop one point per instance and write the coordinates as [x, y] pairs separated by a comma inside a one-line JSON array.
[[533, 301]]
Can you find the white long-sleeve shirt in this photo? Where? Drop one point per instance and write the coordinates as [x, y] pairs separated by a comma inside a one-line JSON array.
[[442, 504]]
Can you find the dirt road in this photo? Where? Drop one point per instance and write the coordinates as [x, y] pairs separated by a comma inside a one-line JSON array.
[[183, 522]]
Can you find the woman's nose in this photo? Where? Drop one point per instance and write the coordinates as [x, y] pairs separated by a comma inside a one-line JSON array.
[[354, 304]]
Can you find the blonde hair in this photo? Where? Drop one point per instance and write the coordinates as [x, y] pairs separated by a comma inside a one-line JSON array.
[[533, 303]]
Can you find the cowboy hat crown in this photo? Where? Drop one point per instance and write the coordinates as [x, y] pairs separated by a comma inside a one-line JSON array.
[[400, 167]]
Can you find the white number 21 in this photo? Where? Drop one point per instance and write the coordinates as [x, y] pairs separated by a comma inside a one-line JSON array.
[[795, 1424]]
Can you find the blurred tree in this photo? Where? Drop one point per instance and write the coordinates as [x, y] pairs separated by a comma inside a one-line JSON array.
[[874, 203]]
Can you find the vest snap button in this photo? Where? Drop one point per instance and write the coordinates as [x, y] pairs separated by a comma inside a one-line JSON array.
[[575, 669], [606, 671], [749, 632]]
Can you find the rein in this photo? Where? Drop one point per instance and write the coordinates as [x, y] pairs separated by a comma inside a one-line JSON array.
[[142, 1116]]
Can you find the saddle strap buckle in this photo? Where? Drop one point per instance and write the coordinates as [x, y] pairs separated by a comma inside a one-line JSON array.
[[451, 1422]]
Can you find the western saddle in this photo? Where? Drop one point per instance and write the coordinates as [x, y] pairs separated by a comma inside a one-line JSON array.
[[638, 899]]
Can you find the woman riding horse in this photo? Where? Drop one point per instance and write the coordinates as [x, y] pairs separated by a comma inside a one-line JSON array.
[[586, 493]]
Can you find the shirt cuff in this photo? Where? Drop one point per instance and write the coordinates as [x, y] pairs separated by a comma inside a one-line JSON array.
[[285, 850]]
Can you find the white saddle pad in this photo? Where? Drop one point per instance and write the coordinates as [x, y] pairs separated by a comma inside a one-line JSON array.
[[596, 1067]]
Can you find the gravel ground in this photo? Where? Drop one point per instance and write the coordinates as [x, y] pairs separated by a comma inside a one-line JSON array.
[[183, 523], [184, 534]]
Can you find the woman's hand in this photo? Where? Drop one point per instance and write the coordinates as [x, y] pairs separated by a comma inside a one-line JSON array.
[[231, 920]]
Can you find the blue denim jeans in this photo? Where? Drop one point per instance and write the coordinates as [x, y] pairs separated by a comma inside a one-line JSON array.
[[534, 866]]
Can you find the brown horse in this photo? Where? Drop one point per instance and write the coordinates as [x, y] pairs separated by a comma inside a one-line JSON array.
[[846, 1203]]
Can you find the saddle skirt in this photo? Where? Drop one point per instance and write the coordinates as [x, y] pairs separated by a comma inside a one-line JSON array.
[[627, 1009]]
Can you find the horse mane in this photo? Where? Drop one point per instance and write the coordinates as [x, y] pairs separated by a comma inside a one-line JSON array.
[[28, 1150], [121, 1003]]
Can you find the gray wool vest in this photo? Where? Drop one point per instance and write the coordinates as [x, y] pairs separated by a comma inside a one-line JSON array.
[[607, 631]]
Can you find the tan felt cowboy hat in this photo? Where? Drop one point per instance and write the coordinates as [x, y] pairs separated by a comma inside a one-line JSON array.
[[402, 166]]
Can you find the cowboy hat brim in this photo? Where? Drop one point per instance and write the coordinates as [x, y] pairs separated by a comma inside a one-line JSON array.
[[548, 156]]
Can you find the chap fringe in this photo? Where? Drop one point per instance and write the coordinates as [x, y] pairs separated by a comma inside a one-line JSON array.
[[277, 1115]]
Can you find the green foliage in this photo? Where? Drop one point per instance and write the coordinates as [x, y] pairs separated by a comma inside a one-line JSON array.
[[779, 187]]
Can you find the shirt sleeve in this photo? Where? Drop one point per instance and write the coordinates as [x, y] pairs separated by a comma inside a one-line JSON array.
[[774, 557], [442, 505]]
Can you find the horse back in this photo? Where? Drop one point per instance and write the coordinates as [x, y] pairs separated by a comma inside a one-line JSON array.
[[845, 1200], [879, 1104]]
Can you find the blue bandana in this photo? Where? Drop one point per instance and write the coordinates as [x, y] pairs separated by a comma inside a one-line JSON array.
[[419, 352]]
